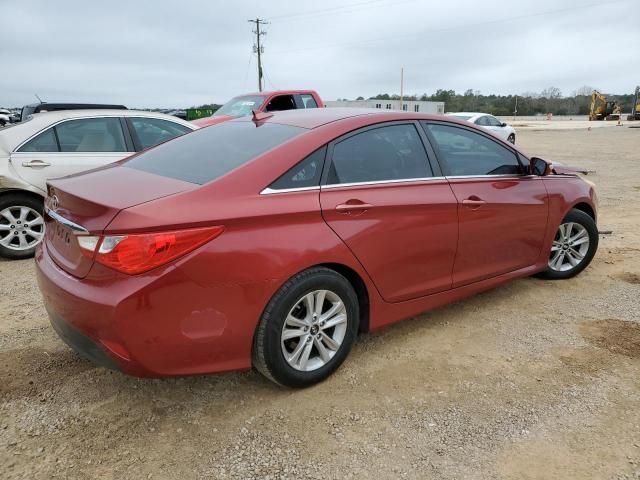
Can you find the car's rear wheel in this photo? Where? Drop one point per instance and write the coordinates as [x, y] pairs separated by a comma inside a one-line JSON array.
[[573, 247], [307, 329], [21, 225], [512, 138]]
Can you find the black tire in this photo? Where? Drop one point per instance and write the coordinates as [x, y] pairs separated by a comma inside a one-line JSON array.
[[584, 219], [268, 357], [19, 199], [2, 123], [512, 139]]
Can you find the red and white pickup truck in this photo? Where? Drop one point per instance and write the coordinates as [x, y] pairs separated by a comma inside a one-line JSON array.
[[263, 102]]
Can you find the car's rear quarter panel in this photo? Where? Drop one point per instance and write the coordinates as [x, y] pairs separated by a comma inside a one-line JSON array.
[[199, 314]]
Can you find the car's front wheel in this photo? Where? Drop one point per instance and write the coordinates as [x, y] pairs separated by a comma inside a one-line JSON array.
[[574, 246], [307, 329], [512, 138], [21, 225]]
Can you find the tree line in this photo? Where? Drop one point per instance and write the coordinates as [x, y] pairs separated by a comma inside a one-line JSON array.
[[550, 100]]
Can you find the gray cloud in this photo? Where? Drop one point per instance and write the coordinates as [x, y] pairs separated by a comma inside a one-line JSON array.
[[150, 53]]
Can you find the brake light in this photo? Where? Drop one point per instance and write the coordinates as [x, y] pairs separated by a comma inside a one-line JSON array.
[[138, 253]]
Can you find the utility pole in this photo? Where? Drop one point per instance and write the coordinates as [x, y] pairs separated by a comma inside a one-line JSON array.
[[257, 48], [401, 86], [515, 110]]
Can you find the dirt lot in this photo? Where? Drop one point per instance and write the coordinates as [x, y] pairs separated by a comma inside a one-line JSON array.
[[534, 380]]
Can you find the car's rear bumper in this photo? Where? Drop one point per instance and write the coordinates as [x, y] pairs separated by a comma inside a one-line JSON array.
[[167, 323], [81, 343]]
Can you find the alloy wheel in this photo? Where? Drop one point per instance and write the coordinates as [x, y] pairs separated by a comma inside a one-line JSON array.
[[569, 247], [21, 228], [314, 330]]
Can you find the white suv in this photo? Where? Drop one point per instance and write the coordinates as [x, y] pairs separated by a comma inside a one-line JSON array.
[[56, 144]]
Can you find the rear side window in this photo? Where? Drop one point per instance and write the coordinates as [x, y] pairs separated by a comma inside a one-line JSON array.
[[306, 173], [91, 135], [394, 152], [152, 131], [209, 153], [308, 101], [467, 153], [45, 142]]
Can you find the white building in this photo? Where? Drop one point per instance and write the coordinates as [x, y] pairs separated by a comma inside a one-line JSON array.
[[407, 105]]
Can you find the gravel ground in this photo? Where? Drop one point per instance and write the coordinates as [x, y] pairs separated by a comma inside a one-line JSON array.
[[533, 380]]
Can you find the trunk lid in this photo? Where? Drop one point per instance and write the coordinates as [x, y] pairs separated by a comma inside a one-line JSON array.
[[86, 204]]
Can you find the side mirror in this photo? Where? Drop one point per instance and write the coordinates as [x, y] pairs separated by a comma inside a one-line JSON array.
[[539, 166], [503, 124]]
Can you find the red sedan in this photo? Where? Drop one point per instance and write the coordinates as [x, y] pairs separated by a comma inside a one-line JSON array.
[[272, 241]]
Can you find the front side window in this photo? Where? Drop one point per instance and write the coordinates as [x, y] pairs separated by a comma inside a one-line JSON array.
[[305, 174], [45, 142], [308, 101], [394, 152], [152, 131], [91, 135], [463, 152], [482, 121], [280, 103], [209, 153]]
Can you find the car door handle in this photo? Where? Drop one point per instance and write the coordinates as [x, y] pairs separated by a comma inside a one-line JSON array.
[[36, 164], [473, 202], [350, 207]]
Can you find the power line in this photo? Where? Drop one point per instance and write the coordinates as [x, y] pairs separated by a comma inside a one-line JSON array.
[[246, 75], [323, 11], [266, 74], [448, 29], [257, 48]]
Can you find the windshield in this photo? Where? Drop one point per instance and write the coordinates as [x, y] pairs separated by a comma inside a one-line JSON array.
[[240, 106], [461, 117], [26, 111]]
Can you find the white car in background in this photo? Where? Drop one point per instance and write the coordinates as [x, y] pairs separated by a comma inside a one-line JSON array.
[[501, 129], [55, 144], [5, 117]]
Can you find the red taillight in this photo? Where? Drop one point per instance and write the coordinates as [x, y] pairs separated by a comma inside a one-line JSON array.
[[138, 253]]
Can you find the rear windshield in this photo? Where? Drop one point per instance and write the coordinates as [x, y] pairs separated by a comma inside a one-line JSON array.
[[206, 154]]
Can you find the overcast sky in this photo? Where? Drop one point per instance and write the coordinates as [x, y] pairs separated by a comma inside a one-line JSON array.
[[165, 53]]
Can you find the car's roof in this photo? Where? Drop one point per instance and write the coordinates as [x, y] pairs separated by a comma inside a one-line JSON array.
[[14, 135], [315, 117], [468, 114], [266, 93]]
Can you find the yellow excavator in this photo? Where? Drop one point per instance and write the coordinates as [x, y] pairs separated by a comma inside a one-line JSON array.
[[601, 109], [635, 108]]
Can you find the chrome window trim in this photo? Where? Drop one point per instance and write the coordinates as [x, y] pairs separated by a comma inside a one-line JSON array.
[[93, 154], [271, 191], [51, 125], [15, 150], [77, 229], [382, 182], [502, 175]]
